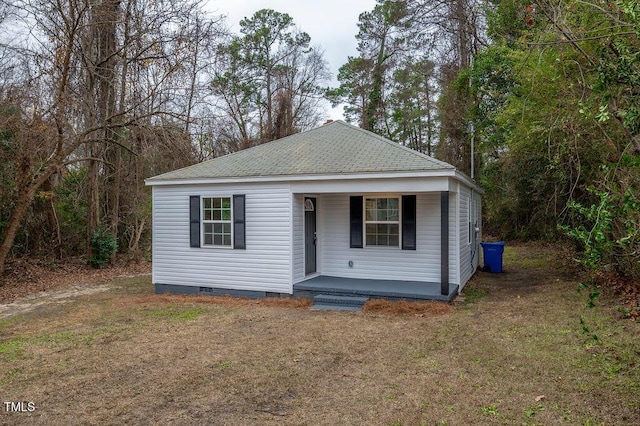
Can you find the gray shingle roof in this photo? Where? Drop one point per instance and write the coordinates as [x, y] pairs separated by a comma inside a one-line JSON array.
[[334, 148]]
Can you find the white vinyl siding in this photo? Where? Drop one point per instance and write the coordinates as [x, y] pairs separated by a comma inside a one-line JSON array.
[[265, 264], [468, 260], [274, 255], [298, 237], [391, 263], [454, 234]]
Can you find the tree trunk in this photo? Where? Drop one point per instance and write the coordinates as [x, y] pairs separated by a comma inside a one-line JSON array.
[[136, 234], [375, 107], [428, 110], [93, 207], [52, 217], [19, 212], [103, 95], [115, 193]]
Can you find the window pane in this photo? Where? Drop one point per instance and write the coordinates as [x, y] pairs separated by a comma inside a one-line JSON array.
[[217, 209], [208, 237], [206, 208], [370, 209], [382, 210], [371, 215], [383, 234]]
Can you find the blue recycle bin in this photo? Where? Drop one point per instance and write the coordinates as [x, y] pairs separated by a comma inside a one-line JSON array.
[[493, 256]]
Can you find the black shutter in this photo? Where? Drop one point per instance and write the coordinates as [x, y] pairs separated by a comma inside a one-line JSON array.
[[194, 220], [239, 240], [408, 222], [356, 222]]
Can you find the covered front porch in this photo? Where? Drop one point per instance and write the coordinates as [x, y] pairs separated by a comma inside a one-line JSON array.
[[332, 253], [375, 288]]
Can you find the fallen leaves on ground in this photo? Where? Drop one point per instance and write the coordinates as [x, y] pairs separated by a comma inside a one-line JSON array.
[[26, 276], [283, 302], [406, 308]]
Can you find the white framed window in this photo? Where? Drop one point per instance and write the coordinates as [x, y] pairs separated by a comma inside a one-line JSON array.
[[382, 221], [216, 221]]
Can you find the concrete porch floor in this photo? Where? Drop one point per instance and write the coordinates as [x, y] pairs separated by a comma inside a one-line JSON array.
[[388, 289]]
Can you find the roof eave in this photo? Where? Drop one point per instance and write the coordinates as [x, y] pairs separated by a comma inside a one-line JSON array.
[[468, 181], [334, 176]]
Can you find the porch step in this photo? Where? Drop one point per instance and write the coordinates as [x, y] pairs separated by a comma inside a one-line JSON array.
[[339, 303]]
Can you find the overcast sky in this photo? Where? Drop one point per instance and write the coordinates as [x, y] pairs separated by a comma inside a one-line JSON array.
[[332, 24]]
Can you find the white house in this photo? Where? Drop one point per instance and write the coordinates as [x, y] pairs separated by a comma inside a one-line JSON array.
[[336, 207]]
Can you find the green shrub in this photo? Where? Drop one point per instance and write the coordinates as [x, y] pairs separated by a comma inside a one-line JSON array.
[[609, 229], [103, 246]]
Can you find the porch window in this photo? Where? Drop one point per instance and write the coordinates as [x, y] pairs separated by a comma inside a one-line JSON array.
[[216, 221], [382, 222]]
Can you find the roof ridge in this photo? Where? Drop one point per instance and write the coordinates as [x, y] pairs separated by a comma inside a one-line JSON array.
[[390, 142]]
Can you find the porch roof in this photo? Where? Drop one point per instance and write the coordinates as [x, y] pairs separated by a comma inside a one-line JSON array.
[[334, 148]]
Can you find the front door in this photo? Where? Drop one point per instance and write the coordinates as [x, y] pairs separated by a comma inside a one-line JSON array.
[[309, 235]]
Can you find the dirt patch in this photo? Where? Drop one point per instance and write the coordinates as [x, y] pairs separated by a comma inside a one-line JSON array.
[[29, 276], [34, 301], [374, 306], [283, 302], [406, 308]]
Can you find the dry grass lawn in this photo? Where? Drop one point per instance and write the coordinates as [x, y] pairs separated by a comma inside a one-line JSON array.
[[513, 352]]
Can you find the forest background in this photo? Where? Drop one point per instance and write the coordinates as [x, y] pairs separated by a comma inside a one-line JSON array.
[[539, 101]]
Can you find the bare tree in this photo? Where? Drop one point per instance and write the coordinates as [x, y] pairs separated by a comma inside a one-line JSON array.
[[93, 72], [269, 79]]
